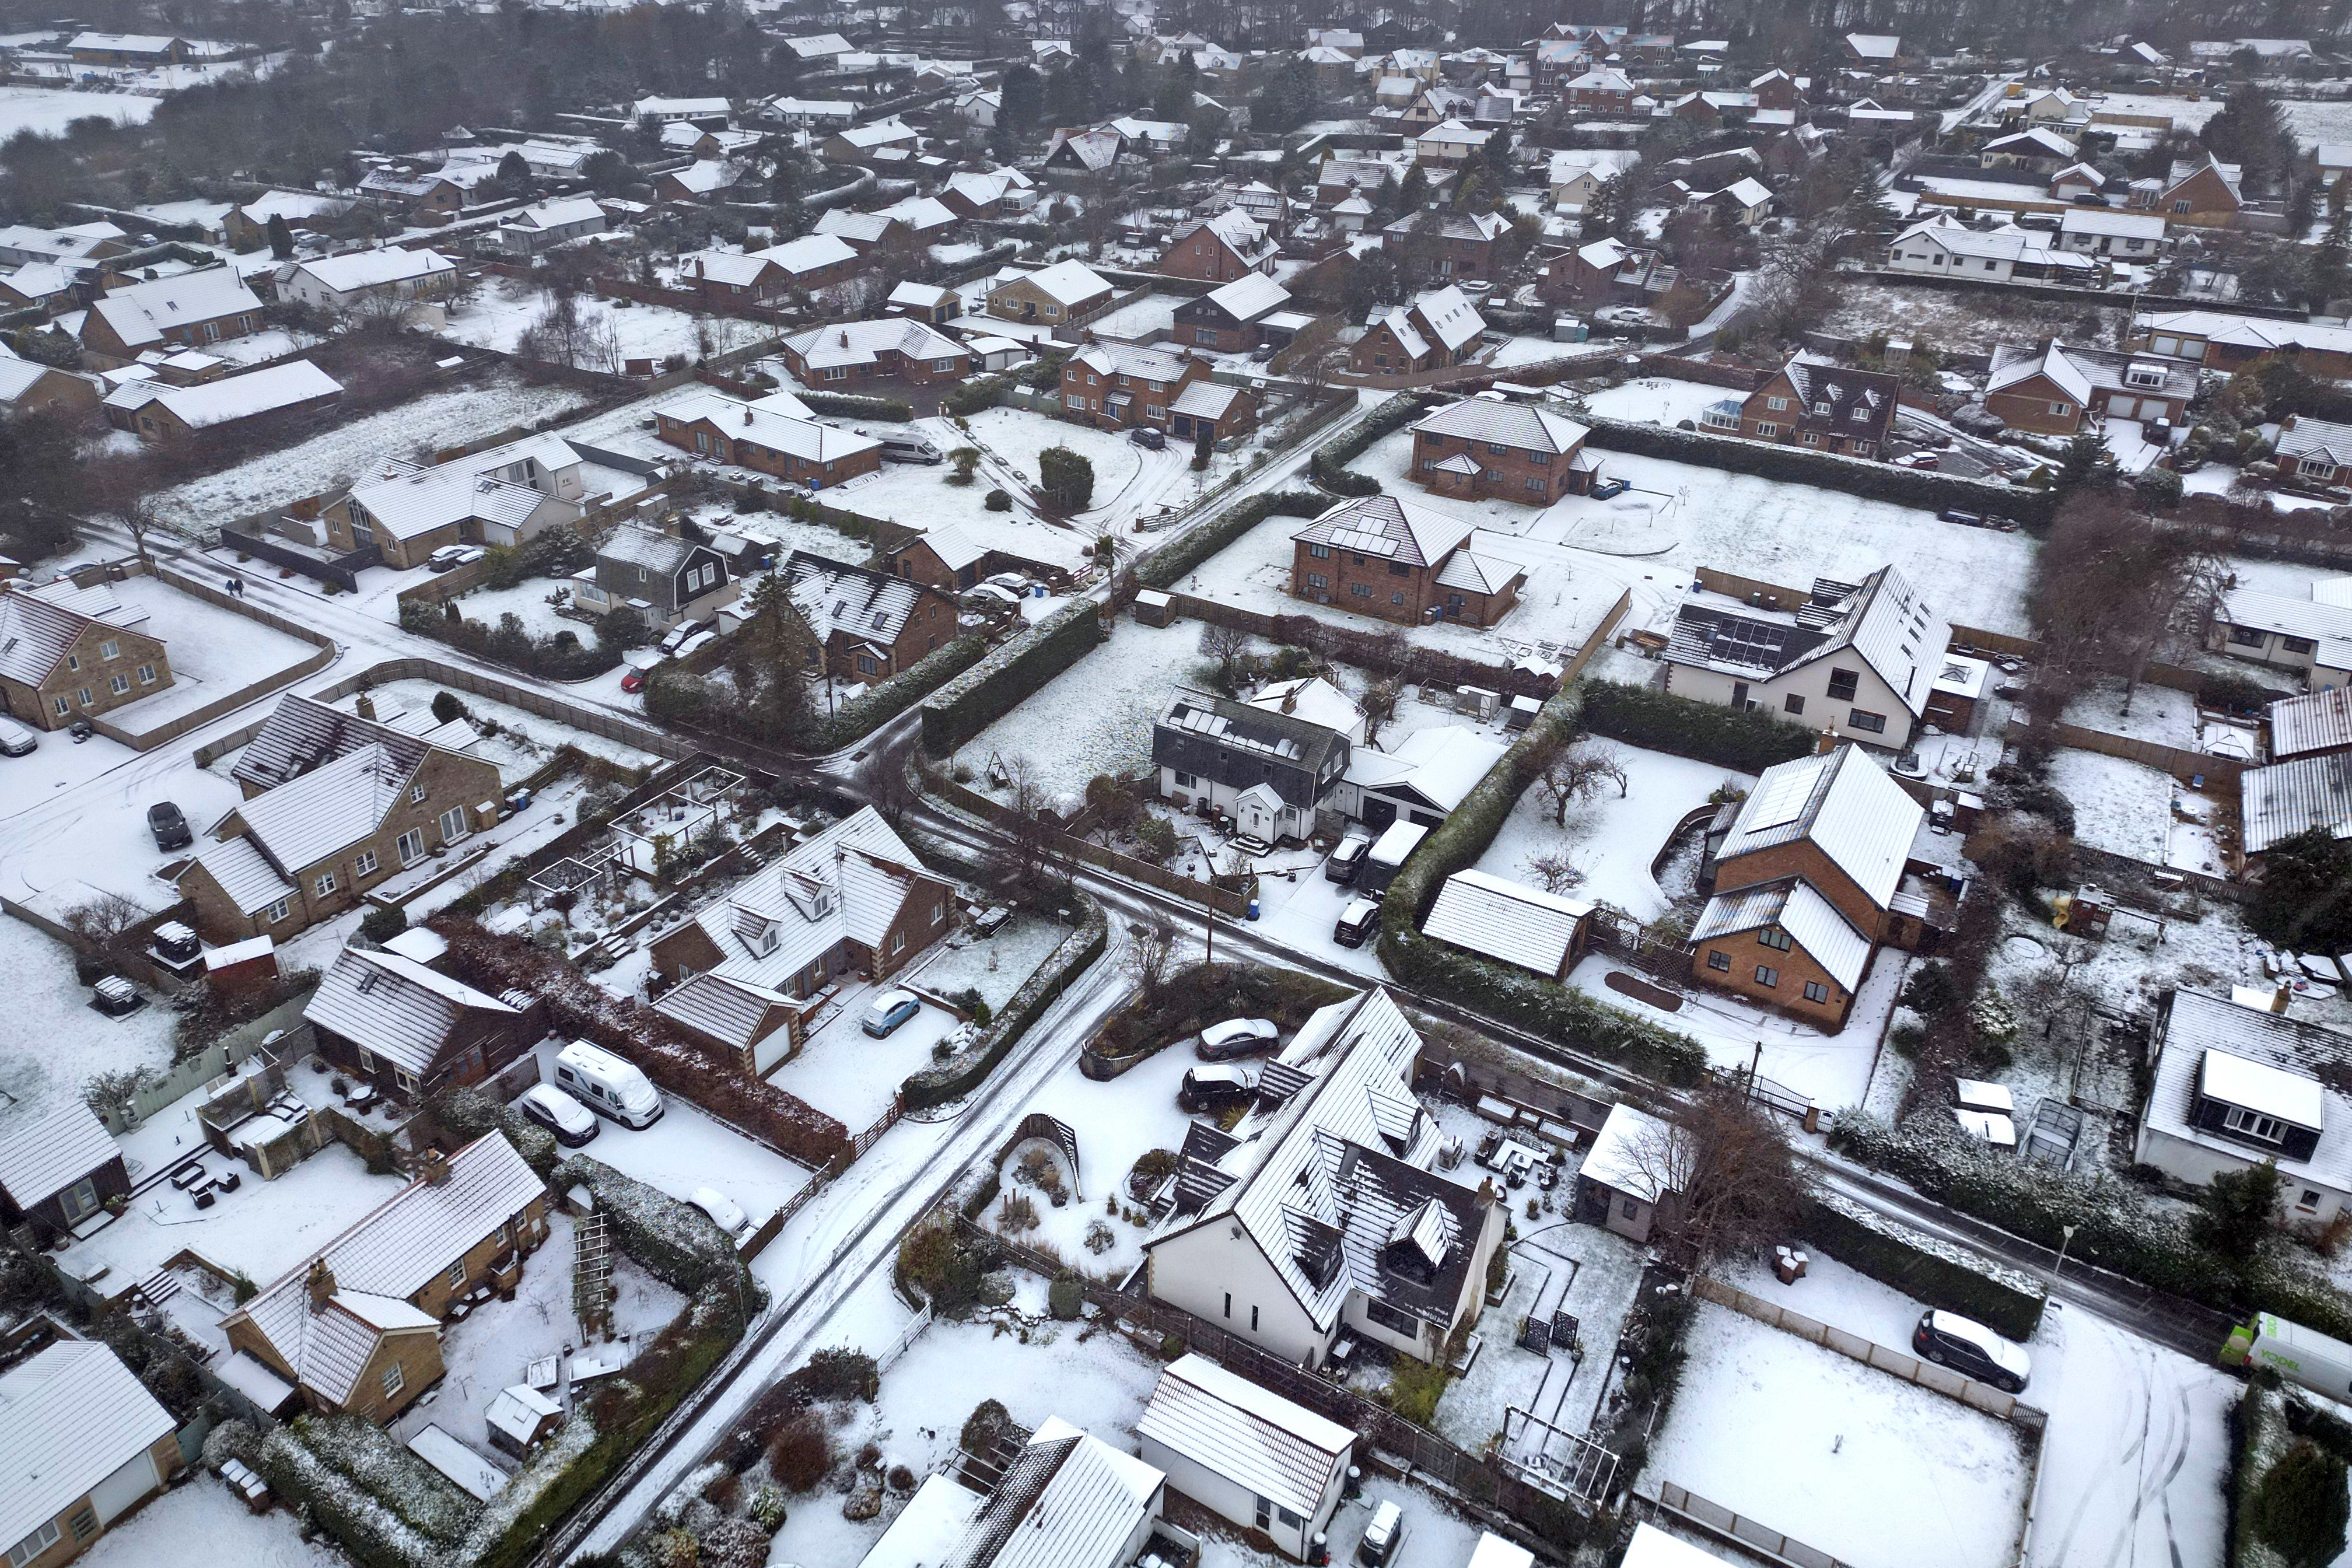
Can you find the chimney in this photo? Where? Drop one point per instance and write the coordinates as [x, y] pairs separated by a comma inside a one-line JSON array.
[[747, 415], [1825, 742], [1290, 700], [436, 1168], [366, 706], [321, 1283]]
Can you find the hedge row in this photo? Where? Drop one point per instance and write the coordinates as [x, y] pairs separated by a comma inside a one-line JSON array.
[[1166, 566], [1541, 1006], [1200, 995], [311, 1461], [1747, 740], [677, 1242], [851, 406], [1925, 1268], [959, 1077], [2116, 1227], [1014, 671], [969, 397], [885, 700], [1328, 467], [1829, 470]]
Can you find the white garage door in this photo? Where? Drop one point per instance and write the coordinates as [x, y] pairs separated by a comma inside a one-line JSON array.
[[125, 1487]]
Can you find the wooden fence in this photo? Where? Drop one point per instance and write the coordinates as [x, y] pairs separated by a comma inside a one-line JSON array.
[[2221, 773], [611, 726]]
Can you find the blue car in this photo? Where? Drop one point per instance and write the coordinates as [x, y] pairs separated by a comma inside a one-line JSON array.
[[1603, 489], [889, 1010]]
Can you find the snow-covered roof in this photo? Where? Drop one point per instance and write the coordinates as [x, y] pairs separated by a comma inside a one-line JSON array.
[[2266, 1087], [2107, 221], [70, 1417], [725, 1009], [559, 212], [2052, 364], [2327, 625], [302, 732], [245, 874], [34, 635], [1206, 399], [518, 1411], [832, 596], [1846, 804], [1397, 530], [865, 343], [46, 1149], [1250, 1435], [759, 424], [2258, 334], [361, 270], [468, 1471], [848, 882], [393, 1007], [1070, 282], [140, 313], [2291, 797], [1792, 904], [2214, 1045], [232, 397], [1249, 297], [1439, 765], [1521, 425], [1874, 46], [1506, 919], [333, 806], [1629, 1154], [2314, 721], [1651, 1548], [1312, 698], [2303, 437]]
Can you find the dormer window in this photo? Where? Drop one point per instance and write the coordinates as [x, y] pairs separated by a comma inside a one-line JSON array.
[[2255, 1124], [1822, 407]]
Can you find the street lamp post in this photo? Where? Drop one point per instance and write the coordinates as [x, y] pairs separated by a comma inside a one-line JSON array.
[[2065, 1241]]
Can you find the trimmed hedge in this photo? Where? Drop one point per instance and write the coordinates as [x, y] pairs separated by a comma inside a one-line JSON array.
[[1930, 1271], [851, 406], [1167, 565], [1014, 671], [969, 397], [1744, 739], [1827, 470], [469, 1113], [957, 1078], [1328, 467], [885, 700], [1200, 995], [1542, 1006]]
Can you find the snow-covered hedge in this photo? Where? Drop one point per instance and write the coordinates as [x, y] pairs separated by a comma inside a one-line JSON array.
[[675, 1240], [389, 1508], [1328, 467], [851, 406], [675, 1062], [1018, 668], [1936, 1272], [1169, 564], [1543, 1006], [959, 1075], [467, 1113], [884, 701], [1738, 738]]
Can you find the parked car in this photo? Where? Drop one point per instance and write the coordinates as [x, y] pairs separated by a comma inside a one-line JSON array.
[[17, 739], [677, 635], [1382, 1537], [1147, 436], [1209, 1086], [641, 661], [1918, 461], [1356, 923], [910, 449], [1967, 1347], [1234, 1037], [1965, 519], [1347, 857], [697, 643], [889, 1010], [724, 1212], [571, 1122], [1603, 489], [449, 557], [169, 824], [1476, 288]]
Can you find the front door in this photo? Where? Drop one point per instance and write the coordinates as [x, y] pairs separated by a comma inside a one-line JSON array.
[[1256, 818]]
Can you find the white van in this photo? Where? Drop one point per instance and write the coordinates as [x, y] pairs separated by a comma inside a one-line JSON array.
[[607, 1085]]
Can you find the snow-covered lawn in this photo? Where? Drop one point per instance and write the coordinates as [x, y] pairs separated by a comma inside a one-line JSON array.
[[1140, 319], [1116, 1122], [498, 317], [1524, 349], [996, 966], [847, 1073], [53, 1041], [527, 600], [1848, 1460], [203, 1517], [2122, 806], [1658, 400], [2159, 713], [336, 456], [46, 111], [1095, 717], [2313, 123], [1612, 838], [214, 652], [525, 742]]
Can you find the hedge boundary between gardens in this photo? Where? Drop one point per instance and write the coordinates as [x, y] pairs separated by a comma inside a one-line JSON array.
[[1013, 672], [861, 716], [1328, 466], [1168, 565], [854, 407], [2115, 1228], [981, 392], [1545, 1007], [1933, 1271], [1827, 471], [1745, 740], [959, 1076]]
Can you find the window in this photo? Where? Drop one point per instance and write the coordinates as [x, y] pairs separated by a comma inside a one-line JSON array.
[[1777, 404], [1719, 961], [394, 1380], [1630, 1208], [1774, 937], [1399, 599], [33, 1545], [1391, 1318], [324, 885], [2061, 410], [1844, 684], [2181, 205], [2255, 1124], [1863, 719], [1317, 581], [1536, 484], [110, 649], [274, 912], [1398, 569], [79, 1199], [1360, 590], [452, 824], [868, 665], [2310, 1199], [1254, 1329], [412, 846], [1320, 551], [457, 1273], [118, 684], [1767, 431], [365, 865], [146, 675], [1792, 703], [81, 695], [62, 706], [2240, 637], [2297, 645], [836, 373], [1816, 992], [1765, 975], [2318, 473], [1229, 1303], [1813, 438], [1078, 405]]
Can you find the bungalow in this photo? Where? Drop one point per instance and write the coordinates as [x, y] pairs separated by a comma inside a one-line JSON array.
[[812, 262], [1230, 320], [28, 386], [1833, 408], [61, 664], [2285, 799], [1437, 330], [1067, 1497], [545, 225], [664, 577], [773, 434], [86, 1443], [2059, 389], [862, 143], [1856, 661], [147, 50], [1066, 294], [870, 624], [1387, 557], [1122, 387], [1265, 1465], [698, 182], [38, 284], [1939, 248], [1322, 1211], [189, 310], [749, 966], [2039, 148], [356, 1327], [1488, 446], [2218, 340], [682, 110], [2313, 634], [970, 194], [246, 227], [864, 233], [409, 1029], [1221, 248], [2102, 231], [502, 496], [809, 113], [23, 244], [58, 1166], [2312, 454], [158, 412], [1510, 922], [2313, 724], [340, 282], [890, 347]]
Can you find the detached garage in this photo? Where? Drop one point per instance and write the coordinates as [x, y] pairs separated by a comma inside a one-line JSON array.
[[1251, 1456], [81, 1443]]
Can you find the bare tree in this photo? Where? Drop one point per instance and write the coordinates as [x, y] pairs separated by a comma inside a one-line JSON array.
[[2114, 590], [138, 514], [1379, 703], [1729, 1184], [1566, 775], [1150, 957], [99, 923], [112, 1094], [1028, 858], [1225, 644], [1555, 872]]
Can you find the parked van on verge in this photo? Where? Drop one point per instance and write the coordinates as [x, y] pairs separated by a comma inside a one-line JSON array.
[[607, 1085]]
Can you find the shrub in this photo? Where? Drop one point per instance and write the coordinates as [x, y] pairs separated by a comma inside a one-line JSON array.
[[769, 1508], [2301, 1506], [1936, 1272], [998, 500], [1066, 480], [1414, 1388], [989, 1424], [1710, 731], [1063, 1296], [735, 1544], [800, 1453], [384, 922], [857, 407]]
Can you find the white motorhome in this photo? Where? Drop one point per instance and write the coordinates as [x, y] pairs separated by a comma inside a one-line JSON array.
[[607, 1085]]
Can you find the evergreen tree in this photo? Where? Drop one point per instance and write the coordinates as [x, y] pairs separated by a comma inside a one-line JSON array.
[[2329, 276], [1023, 99], [2303, 901], [2234, 1210], [2302, 1507], [281, 239]]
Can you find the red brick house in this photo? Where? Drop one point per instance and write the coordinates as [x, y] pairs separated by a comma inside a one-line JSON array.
[[191, 309], [895, 348], [2204, 192], [1605, 272], [871, 625], [408, 1029], [1601, 92], [1488, 446], [1438, 329], [1833, 408], [1776, 89], [1213, 409], [726, 278], [1462, 245], [1110, 384], [2314, 452], [1228, 319], [1221, 248], [1384, 556], [767, 435], [2058, 389]]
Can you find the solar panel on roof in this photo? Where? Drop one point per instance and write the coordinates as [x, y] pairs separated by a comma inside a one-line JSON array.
[[1782, 800]]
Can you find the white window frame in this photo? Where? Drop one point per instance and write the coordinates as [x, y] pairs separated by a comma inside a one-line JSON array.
[[33, 1545], [110, 649], [325, 885], [365, 864], [276, 912], [393, 1380], [411, 847], [2253, 1125], [464, 828]]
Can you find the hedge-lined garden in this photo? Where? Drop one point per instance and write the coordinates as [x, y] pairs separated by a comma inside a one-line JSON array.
[[1930, 1271], [1018, 668], [1328, 467], [850, 405], [959, 1075], [1737, 737], [1193, 998], [1167, 566]]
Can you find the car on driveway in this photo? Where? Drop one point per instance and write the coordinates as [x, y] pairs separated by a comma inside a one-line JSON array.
[[17, 739], [724, 1212], [571, 1122], [1603, 489], [169, 824], [678, 635], [1970, 1349], [1148, 435], [641, 661], [1233, 1038], [449, 557], [889, 1010]]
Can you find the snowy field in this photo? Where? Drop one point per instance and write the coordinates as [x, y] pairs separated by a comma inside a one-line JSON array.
[[1954, 321], [2314, 124], [337, 456], [46, 111], [500, 316], [214, 652], [1658, 400], [2159, 713], [1095, 717], [1611, 840], [2187, 114], [2126, 809], [203, 1511], [1849, 1460]]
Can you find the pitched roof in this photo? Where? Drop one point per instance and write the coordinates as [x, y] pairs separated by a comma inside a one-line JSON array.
[[865, 343], [1792, 905], [1845, 804], [46, 1149], [406, 500], [232, 397], [330, 808], [2213, 1045], [245, 874], [1231, 1427], [1506, 919], [846, 883], [1070, 282], [1068, 1499], [2329, 624], [1522, 426], [140, 313], [1234, 228], [764, 423], [833, 596], [70, 1416], [375, 269], [34, 635], [2303, 437], [723, 1008], [1394, 529], [393, 1007], [1447, 315], [302, 733], [2291, 797], [1125, 359], [2314, 721], [1206, 399], [1249, 297], [1627, 1152]]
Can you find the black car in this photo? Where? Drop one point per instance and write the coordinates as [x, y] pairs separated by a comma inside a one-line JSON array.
[[169, 825], [1970, 1349], [1147, 436]]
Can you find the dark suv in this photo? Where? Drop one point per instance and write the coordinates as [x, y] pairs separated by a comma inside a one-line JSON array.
[[1971, 1349], [169, 825]]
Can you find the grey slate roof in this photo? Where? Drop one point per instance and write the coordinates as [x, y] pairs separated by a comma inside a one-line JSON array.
[[832, 596], [393, 1007], [1516, 425], [302, 733], [44, 1150]]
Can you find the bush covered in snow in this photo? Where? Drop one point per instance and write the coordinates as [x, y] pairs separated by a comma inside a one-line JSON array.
[[678, 1242], [466, 1114], [1738, 738], [677, 1062], [388, 1507], [857, 407]]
